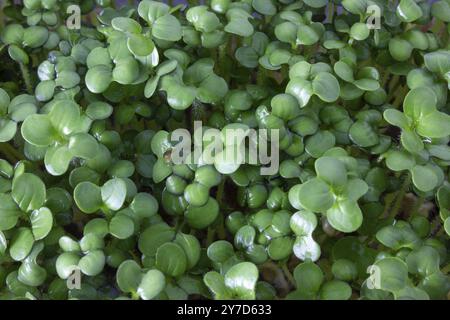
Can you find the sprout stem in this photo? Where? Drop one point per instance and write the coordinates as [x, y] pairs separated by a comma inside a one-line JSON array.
[[400, 195], [10, 152], [401, 96], [417, 205], [288, 274], [210, 236], [221, 233], [446, 269], [26, 78]]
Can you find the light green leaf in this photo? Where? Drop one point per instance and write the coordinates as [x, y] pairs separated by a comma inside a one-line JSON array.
[[28, 191], [152, 284], [241, 280], [41, 223]]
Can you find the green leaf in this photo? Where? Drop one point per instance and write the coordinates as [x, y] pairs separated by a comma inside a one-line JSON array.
[[18, 54], [441, 10], [126, 25], [436, 285], [316, 3], [285, 32], [392, 273], [434, 125], [21, 244], [201, 217], [144, 205], [411, 293], [35, 36], [28, 191], [97, 226], [245, 237], [65, 116], [308, 277], [99, 110], [362, 133], [9, 212], [306, 35], [344, 270], [419, 102], [398, 236], [319, 143], [345, 216], [303, 223], [220, 251], [113, 193], [424, 178], [8, 129], [409, 10], [355, 189], [98, 78], [121, 226], [447, 225], [150, 86], [167, 28], [344, 71], [399, 160], [171, 259], [152, 10], [216, 284], [126, 70], [88, 197], [280, 248], [179, 96], [285, 106], [140, 45], [153, 237], [314, 195], [423, 261], [326, 87], [30, 273], [238, 22], [12, 33], [38, 130], [367, 84], [241, 280], [305, 248], [265, 7], [191, 248], [400, 49], [92, 263], [359, 31], [91, 241], [301, 89], [66, 263], [331, 170], [129, 276], [152, 284], [3, 243], [396, 118], [41, 223], [196, 194], [83, 145], [335, 290]]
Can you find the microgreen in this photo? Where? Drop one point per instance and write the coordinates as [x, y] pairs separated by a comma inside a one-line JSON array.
[[102, 196]]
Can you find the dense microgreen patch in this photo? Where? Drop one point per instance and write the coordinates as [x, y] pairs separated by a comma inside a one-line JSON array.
[[97, 181]]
